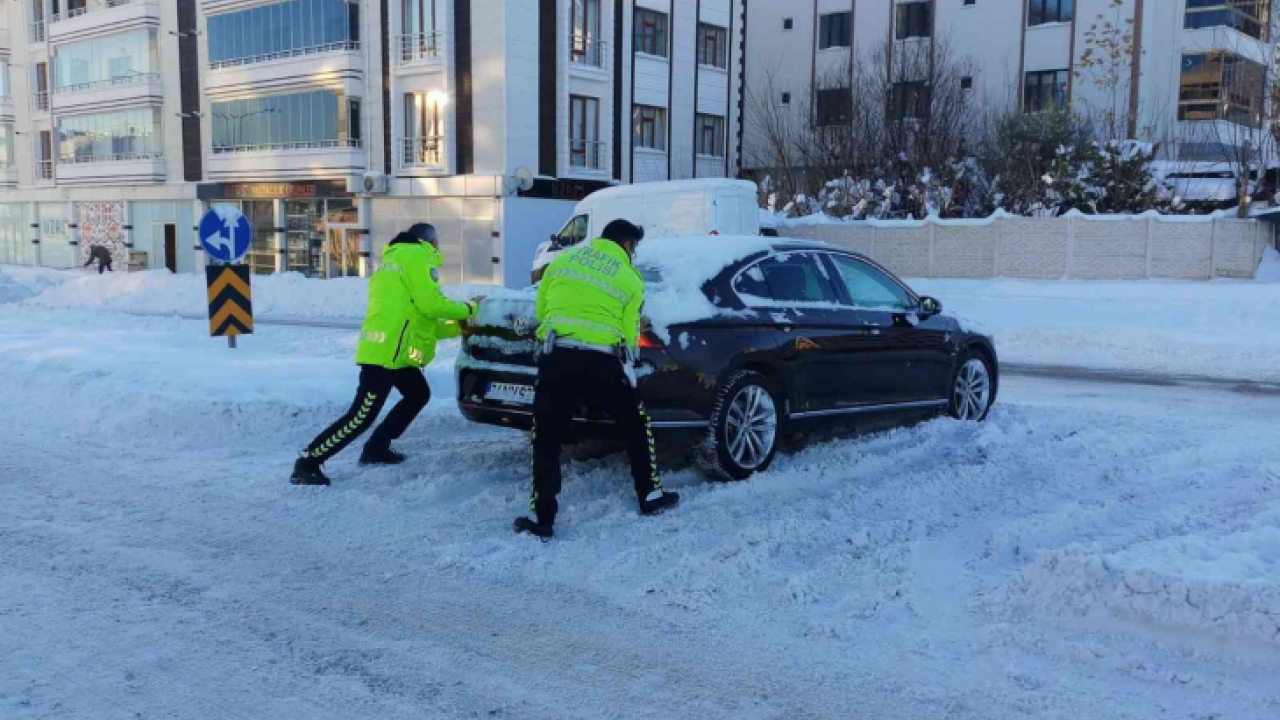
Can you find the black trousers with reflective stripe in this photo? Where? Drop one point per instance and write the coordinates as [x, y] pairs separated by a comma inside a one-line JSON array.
[[568, 379], [375, 384]]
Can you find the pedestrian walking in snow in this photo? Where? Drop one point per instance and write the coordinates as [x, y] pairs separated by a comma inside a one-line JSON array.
[[407, 314], [102, 256], [589, 304]]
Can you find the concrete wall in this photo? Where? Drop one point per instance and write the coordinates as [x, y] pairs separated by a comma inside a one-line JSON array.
[[1076, 247]]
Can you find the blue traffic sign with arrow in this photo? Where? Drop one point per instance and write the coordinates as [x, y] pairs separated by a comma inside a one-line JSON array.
[[225, 233]]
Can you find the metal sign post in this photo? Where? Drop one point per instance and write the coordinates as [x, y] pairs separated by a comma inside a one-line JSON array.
[[226, 235]]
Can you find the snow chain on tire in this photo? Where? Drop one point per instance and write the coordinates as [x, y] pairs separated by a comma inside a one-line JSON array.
[[707, 455]]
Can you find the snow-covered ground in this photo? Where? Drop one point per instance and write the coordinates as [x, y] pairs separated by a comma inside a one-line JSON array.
[[1090, 552], [1225, 329]]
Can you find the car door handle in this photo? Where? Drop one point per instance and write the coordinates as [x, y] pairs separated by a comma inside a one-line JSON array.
[[786, 328]]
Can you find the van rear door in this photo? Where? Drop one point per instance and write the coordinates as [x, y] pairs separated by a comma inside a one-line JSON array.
[[675, 215]]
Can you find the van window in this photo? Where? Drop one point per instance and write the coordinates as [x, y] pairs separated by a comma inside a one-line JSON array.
[[573, 232]]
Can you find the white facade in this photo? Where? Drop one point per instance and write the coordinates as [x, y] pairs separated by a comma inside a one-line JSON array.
[[1010, 45], [332, 123]]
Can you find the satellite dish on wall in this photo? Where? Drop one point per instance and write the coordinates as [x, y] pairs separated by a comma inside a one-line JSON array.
[[523, 178]]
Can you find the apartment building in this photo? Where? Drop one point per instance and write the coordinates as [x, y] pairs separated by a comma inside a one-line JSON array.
[[334, 123], [1193, 76]]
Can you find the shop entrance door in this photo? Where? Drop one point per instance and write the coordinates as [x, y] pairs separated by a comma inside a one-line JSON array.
[[342, 251], [171, 247]]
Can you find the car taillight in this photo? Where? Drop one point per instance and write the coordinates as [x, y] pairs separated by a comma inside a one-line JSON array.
[[649, 340]]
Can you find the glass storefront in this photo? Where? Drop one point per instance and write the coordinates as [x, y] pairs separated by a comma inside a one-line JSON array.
[[322, 237], [284, 29], [106, 136], [13, 238], [319, 118], [113, 59]]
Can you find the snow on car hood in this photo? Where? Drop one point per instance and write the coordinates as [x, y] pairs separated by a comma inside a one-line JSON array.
[[677, 268]]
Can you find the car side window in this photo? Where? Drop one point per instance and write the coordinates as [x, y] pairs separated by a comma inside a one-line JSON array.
[[784, 279], [869, 287], [574, 232]]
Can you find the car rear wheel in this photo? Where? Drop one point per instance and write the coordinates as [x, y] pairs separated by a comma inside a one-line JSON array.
[[971, 388], [745, 428]]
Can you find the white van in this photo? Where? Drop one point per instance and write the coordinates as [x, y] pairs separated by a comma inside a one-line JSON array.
[[663, 209]]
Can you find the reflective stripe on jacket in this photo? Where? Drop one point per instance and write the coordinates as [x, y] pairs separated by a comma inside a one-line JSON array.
[[407, 311], [592, 294]]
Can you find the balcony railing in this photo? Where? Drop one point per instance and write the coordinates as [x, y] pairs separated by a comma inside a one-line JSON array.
[[44, 169], [137, 78], [110, 157], [585, 51], [344, 46], [284, 147], [37, 31], [587, 154], [77, 12], [40, 102], [422, 48], [423, 152]]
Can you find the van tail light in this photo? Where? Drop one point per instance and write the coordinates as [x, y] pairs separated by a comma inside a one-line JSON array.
[[649, 340]]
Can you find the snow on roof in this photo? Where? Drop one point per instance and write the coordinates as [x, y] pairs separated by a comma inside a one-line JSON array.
[[671, 186], [685, 264]]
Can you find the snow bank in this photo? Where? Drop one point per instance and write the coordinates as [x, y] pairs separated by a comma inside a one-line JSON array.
[[1220, 329], [158, 291], [19, 282], [1269, 268], [1226, 584]]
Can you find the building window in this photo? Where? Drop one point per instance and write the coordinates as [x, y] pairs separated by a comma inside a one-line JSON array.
[[315, 119], [584, 133], [111, 60], [915, 20], [6, 146], [120, 135], [970, 3], [286, 29], [1221, 86], [710, 135], [1044, 89], [834, 30], [423, 131], [909, 101], [1041, 12], [834, 107], [649, 127], [418, 17], [786, 98], [788, 23], [713, 46], [651, 32], [966, 82], [585, 47], [1251, 17]]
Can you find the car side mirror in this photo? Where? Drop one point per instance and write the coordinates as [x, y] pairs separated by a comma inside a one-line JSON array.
[[930, 306]]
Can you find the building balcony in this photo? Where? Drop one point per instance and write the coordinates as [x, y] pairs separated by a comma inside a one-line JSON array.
[[286, 70], [110, 16], [40, 103], [422, 50], [44, 172], [128, 90], [588, 157], [588, 53], [8, 176], [36, 32], [288, 161], [117, 169], [424, 154]]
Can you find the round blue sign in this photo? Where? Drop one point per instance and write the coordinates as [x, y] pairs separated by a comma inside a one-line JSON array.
[[225, 233]]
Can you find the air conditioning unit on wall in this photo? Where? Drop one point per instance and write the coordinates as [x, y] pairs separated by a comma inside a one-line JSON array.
[[369, 184]]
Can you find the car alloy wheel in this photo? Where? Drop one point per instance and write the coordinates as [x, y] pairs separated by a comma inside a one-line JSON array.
[[753, 426], [972, 393], [745, 428]]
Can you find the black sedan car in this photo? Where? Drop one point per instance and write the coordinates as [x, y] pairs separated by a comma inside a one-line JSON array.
[[753, 340]]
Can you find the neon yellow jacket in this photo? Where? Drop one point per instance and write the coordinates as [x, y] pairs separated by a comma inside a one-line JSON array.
[[592, 294], [407, 312]]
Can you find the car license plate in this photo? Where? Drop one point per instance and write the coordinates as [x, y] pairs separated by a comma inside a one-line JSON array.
[[510, 393]]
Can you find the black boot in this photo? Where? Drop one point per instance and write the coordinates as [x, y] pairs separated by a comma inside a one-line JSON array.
[[661, 503], [378, 454], [307, 472], [542, 531]]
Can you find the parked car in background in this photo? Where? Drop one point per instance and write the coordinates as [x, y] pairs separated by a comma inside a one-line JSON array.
[[752, 337], [664, 209]]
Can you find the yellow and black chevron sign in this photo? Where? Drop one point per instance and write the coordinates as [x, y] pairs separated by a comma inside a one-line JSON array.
[[230, 300]]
